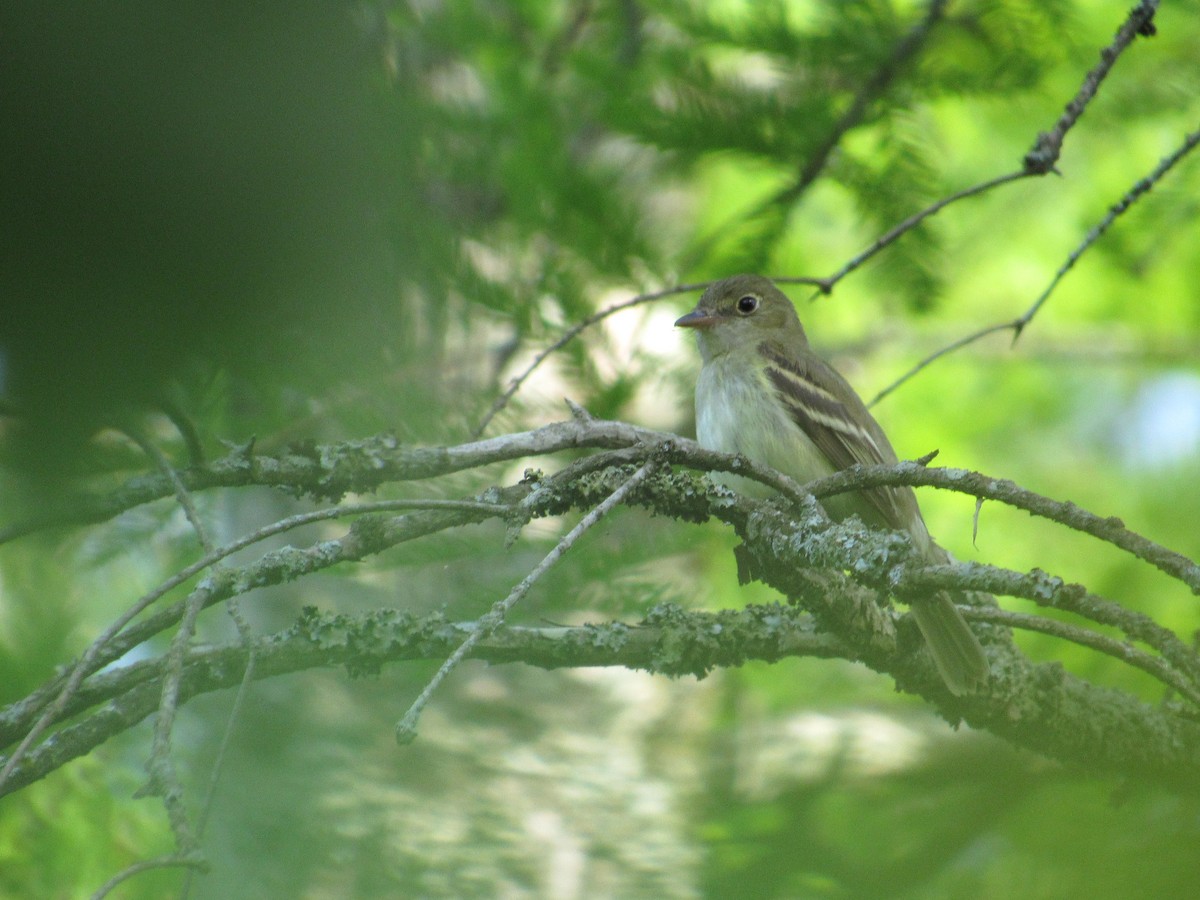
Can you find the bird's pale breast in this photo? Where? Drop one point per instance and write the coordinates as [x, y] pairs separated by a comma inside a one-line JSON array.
[[737, 412]]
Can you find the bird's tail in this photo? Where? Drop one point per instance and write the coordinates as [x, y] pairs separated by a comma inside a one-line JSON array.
[[956, 651]]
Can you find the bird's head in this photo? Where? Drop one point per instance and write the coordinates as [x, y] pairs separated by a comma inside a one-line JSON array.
[[739, 311]]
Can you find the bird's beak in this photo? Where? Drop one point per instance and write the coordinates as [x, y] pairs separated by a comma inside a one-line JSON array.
[[697, 318]]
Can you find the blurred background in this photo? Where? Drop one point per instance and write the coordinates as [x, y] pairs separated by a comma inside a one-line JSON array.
[[325, 220]]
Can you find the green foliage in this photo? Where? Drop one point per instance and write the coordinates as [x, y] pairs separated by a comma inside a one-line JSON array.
[[502, 171], [69, 837]]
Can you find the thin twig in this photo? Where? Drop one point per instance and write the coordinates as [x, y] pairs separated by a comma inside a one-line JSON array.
[[935, 356], [1142, 186], [567, 336], [1045, 152], [1017, 325], [194, 863], [1085, 637], [182, 495], [214, 778], [238, 700], [246, 638], [163, 781], [1039, 161], [873, 87], [406, 729], [826, 284], [94, 658]]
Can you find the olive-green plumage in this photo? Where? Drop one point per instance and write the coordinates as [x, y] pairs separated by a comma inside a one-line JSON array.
[[764, 393]]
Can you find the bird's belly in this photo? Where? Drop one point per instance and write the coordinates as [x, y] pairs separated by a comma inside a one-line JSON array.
[[736, 412]]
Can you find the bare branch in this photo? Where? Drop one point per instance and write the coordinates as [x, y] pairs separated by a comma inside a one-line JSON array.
[[1017, 325], [569, 335], [826, 284], [1039, 161], [182, 495], [1045, 152], [1131, 196], [934, 357]]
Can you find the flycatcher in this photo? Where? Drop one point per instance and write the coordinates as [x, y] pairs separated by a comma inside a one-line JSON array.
[[764, 393]]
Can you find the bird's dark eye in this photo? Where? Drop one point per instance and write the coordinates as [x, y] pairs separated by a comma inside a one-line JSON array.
[[747, 304]]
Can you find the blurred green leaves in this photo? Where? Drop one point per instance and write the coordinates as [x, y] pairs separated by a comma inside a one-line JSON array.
[[324, 220]]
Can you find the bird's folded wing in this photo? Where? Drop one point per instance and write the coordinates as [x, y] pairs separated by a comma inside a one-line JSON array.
[[812, 393]]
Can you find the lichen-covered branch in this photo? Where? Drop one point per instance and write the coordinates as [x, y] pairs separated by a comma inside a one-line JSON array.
[[668, 641], [833, 571]]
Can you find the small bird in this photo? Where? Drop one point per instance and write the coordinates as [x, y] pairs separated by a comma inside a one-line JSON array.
[[764, 393]]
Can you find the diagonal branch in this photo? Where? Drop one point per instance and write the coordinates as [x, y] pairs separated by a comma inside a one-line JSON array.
[[1017, 326], [872, 89], [569, 335], [1045, 152], [826, 285], [1039, 161], [1142, 186], [406, 729]]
